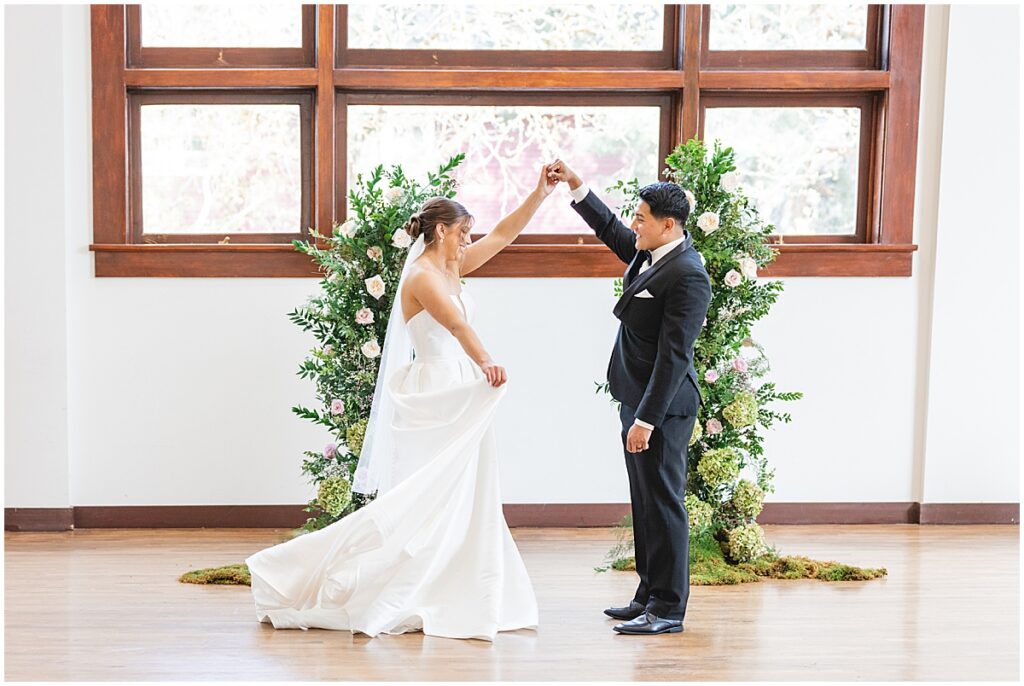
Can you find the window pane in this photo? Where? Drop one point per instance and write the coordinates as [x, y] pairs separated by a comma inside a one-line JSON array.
[[482, 27], [505, 147], [799, 165], [788, 27], [221, 168], [222, 26]]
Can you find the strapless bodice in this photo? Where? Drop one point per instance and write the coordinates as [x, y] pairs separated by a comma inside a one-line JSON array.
[[430, 340]]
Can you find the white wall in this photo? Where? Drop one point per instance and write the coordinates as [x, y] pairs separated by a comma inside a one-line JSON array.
[[178, 390], [973, 405], [35, 337]]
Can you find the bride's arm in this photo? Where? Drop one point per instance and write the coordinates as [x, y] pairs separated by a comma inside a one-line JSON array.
[[431, 292], [507, 229]]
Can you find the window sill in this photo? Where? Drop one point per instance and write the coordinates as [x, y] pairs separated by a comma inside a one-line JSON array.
[[201, 260]]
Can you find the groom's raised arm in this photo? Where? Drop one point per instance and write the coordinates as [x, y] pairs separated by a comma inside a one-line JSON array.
[[609, 229], [595, 213]]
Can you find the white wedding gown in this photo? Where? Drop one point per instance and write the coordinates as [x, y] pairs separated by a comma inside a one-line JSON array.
[[432, 553]]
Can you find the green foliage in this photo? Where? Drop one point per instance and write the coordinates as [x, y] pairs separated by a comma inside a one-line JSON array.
[[346, 320]]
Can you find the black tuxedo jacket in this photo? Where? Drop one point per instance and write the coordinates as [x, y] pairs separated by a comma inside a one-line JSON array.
[[651, 368]]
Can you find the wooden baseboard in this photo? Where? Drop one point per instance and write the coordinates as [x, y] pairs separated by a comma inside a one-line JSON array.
[[517, 515]]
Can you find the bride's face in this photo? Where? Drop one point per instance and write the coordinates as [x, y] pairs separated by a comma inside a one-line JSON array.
[[456, 239]]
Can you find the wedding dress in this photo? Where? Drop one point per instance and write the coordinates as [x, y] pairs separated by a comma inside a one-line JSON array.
[[433, 551]]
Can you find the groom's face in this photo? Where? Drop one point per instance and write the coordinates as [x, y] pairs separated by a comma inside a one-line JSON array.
[[650, 231]]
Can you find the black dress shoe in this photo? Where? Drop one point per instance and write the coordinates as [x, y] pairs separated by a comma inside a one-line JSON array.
[[647, 623], [631, 611]]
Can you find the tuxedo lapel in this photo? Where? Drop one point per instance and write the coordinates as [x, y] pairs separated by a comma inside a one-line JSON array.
[[636, 285], [634, 268]]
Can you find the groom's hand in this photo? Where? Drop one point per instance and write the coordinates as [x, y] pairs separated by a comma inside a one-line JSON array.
[[638, 439], [547, 182], [560, 170]]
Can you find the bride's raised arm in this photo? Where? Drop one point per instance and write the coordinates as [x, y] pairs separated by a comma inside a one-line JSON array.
[[507, 229]]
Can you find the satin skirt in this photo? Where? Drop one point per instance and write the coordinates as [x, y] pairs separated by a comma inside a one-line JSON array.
[[433, 553]]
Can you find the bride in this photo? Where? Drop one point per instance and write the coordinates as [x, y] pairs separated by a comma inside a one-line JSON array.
[[432, 552]]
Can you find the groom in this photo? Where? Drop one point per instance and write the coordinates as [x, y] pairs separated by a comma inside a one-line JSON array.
[[665, 298]]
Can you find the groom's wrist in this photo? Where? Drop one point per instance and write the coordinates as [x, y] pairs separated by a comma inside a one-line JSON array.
[[579, 193]]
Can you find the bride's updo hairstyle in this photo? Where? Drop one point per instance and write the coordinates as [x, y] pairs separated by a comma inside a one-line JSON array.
[[437, 211]]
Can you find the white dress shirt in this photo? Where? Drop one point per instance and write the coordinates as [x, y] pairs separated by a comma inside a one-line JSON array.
[[578, 195]]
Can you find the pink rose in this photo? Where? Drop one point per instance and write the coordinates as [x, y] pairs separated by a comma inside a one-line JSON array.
[[330, 451], [733, 278], [739, 364], [711, 376], [374, 253], [364, 316], [337, 406], [714, 427]]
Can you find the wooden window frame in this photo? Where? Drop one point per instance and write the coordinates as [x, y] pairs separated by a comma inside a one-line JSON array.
[[138, 98], [689, 83], [664, 58], [219, 58], [870, 57], [868, 105], [563, 98]]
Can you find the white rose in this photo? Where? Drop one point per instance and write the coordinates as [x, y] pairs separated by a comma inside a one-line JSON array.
[[708, 222], [348, 229], [371, 348], [692, 200], [374, 253], [733, 278], [375, 286], [393, 195], [401, 239], [730, 181], [364, 316], [748, 265]]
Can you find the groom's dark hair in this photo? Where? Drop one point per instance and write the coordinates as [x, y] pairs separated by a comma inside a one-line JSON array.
[[666, 200]]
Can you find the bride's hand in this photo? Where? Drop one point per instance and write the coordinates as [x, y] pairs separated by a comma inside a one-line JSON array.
[[495, 374], [547, 181]]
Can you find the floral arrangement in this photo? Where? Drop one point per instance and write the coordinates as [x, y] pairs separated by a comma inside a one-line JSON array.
[[362, 263]]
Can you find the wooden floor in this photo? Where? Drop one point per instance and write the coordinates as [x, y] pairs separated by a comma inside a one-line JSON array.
[[105, 605]]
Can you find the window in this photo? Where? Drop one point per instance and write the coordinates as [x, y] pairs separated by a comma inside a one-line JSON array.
[[221, 133]]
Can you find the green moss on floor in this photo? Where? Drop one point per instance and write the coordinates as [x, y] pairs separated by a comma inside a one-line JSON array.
[[708, 567], [231, 575]]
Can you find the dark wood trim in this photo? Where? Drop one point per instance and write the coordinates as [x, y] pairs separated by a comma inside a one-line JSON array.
[[220, 58], [970, 513], [690, 115], [760, 81], [866, 58], [221, 78], [109, 126], [517, 515], [507, 80], [137, 99], [517, 260], [663, 58], [899, 154], [840, 513], [325, 124], [39, 518], [525, 259]]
